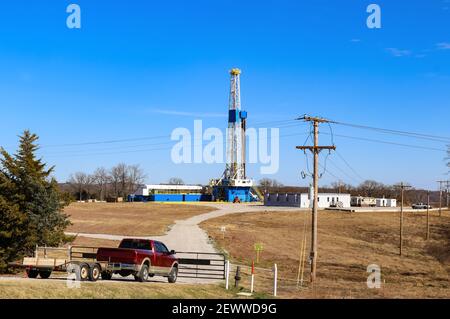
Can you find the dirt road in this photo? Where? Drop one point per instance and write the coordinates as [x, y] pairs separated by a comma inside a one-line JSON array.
[[186, 235]]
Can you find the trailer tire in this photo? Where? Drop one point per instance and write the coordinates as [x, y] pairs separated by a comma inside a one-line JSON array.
[[143, 274], [94, 273], [106, 275], [45, 274], [32, 274], [84, 272]]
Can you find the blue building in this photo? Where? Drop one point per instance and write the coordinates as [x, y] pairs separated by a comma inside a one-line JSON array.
[[170, 193]]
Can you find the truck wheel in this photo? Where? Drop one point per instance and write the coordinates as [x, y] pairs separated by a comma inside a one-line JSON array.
[[45, 274], [173, 276], [94, 273], [106, 275], [32, 274], [143, 274], [84, 272]]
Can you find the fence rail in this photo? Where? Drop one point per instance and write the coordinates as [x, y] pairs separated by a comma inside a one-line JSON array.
[[201, 265]]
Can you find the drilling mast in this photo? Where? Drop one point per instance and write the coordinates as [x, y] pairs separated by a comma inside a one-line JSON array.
[[235, 168], [234, 184]]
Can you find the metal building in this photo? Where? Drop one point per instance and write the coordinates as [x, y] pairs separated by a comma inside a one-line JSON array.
[[170, 193]]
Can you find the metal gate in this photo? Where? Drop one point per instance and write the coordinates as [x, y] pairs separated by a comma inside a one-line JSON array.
[[201, 265]]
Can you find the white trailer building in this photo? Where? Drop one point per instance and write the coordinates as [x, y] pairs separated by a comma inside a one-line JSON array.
[[386, 202], [325, 200]]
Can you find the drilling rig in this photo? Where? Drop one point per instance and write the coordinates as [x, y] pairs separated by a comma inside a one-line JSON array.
[[234, 186]]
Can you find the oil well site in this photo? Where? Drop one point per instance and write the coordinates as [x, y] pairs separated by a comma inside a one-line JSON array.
[[225, 151], [242, 239]]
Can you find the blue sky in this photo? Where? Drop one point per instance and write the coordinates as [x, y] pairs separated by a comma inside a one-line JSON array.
[[142, 68]]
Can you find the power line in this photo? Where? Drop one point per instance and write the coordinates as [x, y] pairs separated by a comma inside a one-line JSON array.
[[98, 151], [390, 143], [116, 141], [343, 172], [327, 170], [398, 132], [349, 166]]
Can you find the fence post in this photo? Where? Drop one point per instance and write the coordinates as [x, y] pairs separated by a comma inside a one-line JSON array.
[[275, 280], [252, 288], [227, 274], [237, 278]]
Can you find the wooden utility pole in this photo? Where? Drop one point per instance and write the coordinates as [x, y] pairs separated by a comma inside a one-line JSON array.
[[428, 215], [440, 195], [315, 149], [402, 186]]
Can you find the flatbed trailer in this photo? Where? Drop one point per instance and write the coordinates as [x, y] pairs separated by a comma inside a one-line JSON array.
[[78, 260]]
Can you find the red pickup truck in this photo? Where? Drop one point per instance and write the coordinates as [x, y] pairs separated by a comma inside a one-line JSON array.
[[141, 258]]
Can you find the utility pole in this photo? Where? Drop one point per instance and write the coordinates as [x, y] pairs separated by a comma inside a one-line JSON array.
[[316, 149], [446, 192], [428, 215], [440, 195], [402, 186]]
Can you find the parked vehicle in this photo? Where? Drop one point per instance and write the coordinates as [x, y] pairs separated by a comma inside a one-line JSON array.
[[140, 258], [421, 206], [137, 257]]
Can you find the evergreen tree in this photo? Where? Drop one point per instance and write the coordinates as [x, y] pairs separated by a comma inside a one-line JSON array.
[[30, 200], [13, 228]]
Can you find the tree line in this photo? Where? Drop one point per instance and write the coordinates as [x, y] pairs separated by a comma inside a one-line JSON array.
[[103, 184]]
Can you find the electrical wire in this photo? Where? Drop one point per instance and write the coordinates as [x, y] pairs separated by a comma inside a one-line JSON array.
[[398, 132], [390, 143], [349, 166], [343, 172]]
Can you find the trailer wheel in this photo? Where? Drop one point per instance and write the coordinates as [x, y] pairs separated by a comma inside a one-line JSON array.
[[94, 273], [143, 274], [106, 275], [45, 274], [173, 276], [32, 274], [84, 272]]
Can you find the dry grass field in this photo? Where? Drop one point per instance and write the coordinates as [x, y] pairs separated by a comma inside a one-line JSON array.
[[348, 243], [57, 289], [130, 219], [93, 242]]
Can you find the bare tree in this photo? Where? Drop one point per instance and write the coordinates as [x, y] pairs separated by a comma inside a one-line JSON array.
[[341, 187], [79, 182], [136, 177], [175, 181], [101, 179], [115, 175], [269, 185]]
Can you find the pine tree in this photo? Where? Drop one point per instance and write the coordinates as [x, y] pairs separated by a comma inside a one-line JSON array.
[[13, 227], [29, 189]]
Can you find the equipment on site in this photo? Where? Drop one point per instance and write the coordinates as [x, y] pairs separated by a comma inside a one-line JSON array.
[[234, 186]]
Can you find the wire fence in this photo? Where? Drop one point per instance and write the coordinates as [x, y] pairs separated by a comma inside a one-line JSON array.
[[263, 280]]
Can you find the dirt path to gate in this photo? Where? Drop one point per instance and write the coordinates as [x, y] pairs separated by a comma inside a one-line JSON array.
[[186, 235]]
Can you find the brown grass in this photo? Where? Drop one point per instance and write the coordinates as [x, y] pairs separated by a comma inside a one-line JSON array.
[[92, 242], [129, 219], [348, 243], [57, 289]]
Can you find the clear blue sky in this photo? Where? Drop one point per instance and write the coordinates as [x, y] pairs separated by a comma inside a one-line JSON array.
[[133, 59]]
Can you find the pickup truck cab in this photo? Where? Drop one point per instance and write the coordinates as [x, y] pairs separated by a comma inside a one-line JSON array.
[[140, 258]]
